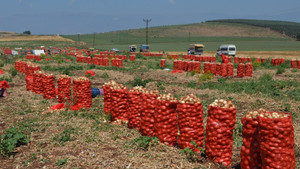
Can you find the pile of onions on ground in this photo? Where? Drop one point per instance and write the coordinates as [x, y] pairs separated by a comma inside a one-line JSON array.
[[119, 95], [219, 131], [166, 119], [190, 122], [135, 101], [147, 115]]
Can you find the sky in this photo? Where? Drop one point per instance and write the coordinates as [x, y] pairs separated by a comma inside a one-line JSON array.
[[89, 16]]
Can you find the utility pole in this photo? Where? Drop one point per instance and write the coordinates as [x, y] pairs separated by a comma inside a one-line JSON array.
[[78, 38], [147, 21], [94, 40]]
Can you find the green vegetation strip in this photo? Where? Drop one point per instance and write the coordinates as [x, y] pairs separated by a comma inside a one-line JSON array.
[[265, 85]]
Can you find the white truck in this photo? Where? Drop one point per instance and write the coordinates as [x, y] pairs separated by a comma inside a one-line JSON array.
[[196, 49], [229, 50]]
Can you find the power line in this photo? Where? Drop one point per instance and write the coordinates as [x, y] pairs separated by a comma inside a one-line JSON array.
[[147, 21]]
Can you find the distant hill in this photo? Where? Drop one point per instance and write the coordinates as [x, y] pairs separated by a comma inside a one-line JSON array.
[[207, 31], [288, 28], [12, 36]]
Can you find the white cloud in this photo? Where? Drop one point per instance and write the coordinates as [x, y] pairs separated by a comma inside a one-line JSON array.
[[171, 1]]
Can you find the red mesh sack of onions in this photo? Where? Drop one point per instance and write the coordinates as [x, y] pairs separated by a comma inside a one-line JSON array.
[[107, 97], [119, 95], [49, 86], [82, 93], [250, 151], [294, 63], [20, 66], [213, 68], [276, 137], [38, 82], [218, 69], [147, 115], [240, 70], [190, 122], [219, 131], [248, 69], [64, 88], [135, 101], [224, 69], [166, 119], [29, 83], [230, 68]]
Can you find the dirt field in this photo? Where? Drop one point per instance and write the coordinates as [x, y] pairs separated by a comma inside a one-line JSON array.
[[34, 38], [87, 139]]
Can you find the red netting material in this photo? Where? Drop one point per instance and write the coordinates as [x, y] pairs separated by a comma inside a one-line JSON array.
[[219, 131], [82, 94], [190, 122], [49, 86], [119, 109], [276, 136], [64, 88], [135, 101], [250, 151], [166, 119], [147, 115]]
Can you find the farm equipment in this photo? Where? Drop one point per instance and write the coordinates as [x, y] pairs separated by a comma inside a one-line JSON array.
[[132, 48], [196, 49], [144, 48]]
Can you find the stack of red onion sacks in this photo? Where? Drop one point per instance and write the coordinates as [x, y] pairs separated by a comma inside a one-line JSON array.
[[276, 140], [206, 67], [298, 64], [132, 57], [224, 70], [190, 122], [163, 63], [218, 69], [135, 101], [166, 119], [248, 69], [38, 82], [213, 68], [107, 97], [64, 88], [294, 64], [49, 86], [240, 70], [250, 151], [230, 68], [82, 93], [147, 115], [219, 131], [119, 94], [20, 66]]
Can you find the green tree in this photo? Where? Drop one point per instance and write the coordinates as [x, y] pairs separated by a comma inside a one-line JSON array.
[[298, 37], [27, 32]]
